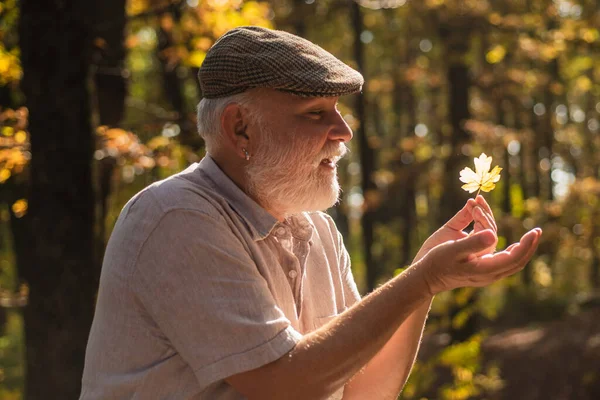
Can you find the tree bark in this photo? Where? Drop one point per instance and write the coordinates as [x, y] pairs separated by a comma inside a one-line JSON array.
[[456, 35], [172, 83], [55, 43], [365, 153], [110, 90], [453, 197]]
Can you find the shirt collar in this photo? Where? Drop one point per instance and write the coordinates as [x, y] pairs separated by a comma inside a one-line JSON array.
[[259, 221]]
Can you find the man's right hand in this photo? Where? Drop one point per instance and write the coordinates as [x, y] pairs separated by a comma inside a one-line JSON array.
[[456, 263], [475, 210]]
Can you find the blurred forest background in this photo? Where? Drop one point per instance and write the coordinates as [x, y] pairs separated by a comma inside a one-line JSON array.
[[97, 100]]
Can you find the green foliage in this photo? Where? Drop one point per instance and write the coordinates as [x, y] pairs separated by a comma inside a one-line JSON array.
[[534, 105], [461, 364], [10, 65], [12, 346], [12, 353]]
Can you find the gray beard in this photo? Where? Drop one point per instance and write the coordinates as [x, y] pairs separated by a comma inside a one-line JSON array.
[[284, 183]]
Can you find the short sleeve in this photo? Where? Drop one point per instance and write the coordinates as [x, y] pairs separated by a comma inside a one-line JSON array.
[[198, 282]]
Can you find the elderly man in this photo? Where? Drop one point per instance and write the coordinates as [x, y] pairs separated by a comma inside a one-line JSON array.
[[226, 281]]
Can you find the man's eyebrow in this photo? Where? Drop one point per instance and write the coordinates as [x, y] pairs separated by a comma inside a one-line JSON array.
[[311, 102]]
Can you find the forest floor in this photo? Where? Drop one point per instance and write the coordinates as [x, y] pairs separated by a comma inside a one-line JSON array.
[[556, 360]]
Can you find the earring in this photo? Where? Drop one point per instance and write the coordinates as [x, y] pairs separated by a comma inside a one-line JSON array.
[[246, 154]]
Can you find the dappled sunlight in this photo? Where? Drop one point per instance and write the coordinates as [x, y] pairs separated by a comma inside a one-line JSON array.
[[445, 82]]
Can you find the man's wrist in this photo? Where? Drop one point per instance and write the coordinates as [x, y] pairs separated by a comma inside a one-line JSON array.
[[421, 270]]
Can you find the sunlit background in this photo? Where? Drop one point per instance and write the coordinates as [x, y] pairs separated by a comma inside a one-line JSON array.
[[446, 80]]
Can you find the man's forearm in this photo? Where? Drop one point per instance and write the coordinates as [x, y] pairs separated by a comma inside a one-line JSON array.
[[324, 360], [385, 375]]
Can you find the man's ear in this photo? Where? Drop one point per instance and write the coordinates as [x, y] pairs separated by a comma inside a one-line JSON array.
[[233, 126]]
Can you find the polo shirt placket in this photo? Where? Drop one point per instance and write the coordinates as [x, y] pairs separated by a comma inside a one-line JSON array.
[[294, 239]]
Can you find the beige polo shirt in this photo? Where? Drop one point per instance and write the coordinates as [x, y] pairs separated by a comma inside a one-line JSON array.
[[199, 283]]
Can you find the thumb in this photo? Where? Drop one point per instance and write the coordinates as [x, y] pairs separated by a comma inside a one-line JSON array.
[[462, 218], [476, 243]]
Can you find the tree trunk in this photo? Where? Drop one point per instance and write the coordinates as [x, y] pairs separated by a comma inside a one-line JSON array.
[[456, 40], [453, 197], [521, 176], [55, 44], [527, 157], [110, 90], [506, 201], [171, 81], [365, 153], [299, 17]]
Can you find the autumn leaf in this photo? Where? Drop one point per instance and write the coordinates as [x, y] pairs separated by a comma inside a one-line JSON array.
[[19, 208], [482, 178]]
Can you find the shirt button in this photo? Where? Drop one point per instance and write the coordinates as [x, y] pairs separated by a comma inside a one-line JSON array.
[[281, 231], [292, 274]]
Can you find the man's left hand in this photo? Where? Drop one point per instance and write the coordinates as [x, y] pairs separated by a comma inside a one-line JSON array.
[[477, 210]]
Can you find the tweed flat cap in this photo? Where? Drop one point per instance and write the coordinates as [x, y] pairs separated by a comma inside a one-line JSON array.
[[252, 57]]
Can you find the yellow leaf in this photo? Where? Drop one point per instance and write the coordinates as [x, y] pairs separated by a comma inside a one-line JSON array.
[[19, 208], [4, 175], [196, 58], [495, 18], [20, 137], [590, 35], [583, 84], [482, 178], [496, 54], [158, 141]]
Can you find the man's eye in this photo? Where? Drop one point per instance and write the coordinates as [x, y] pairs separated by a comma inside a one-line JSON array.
[[316, 112]]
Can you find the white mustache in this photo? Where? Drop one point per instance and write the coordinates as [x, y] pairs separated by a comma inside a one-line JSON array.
[[334, 154]]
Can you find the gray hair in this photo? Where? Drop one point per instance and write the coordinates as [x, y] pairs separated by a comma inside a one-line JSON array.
[[209, 116]]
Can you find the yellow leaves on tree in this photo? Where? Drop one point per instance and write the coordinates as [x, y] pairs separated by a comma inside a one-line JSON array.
[[124, 146], [590, 35], [212, 18], [10, 66], [496, 54], [198, 27], [14, 143], [135, 7], [482, 178], [19, 208]]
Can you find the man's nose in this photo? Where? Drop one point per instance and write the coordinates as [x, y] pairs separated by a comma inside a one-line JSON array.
[[339, 130]]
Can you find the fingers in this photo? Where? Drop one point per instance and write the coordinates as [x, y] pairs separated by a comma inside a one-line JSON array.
[[509, 248], [527, 245], [476, 243], [463, 218], [457, 264], [483, 220], [480, 200], [483, 215], [520, 265], [534, 245], [513, 258]]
